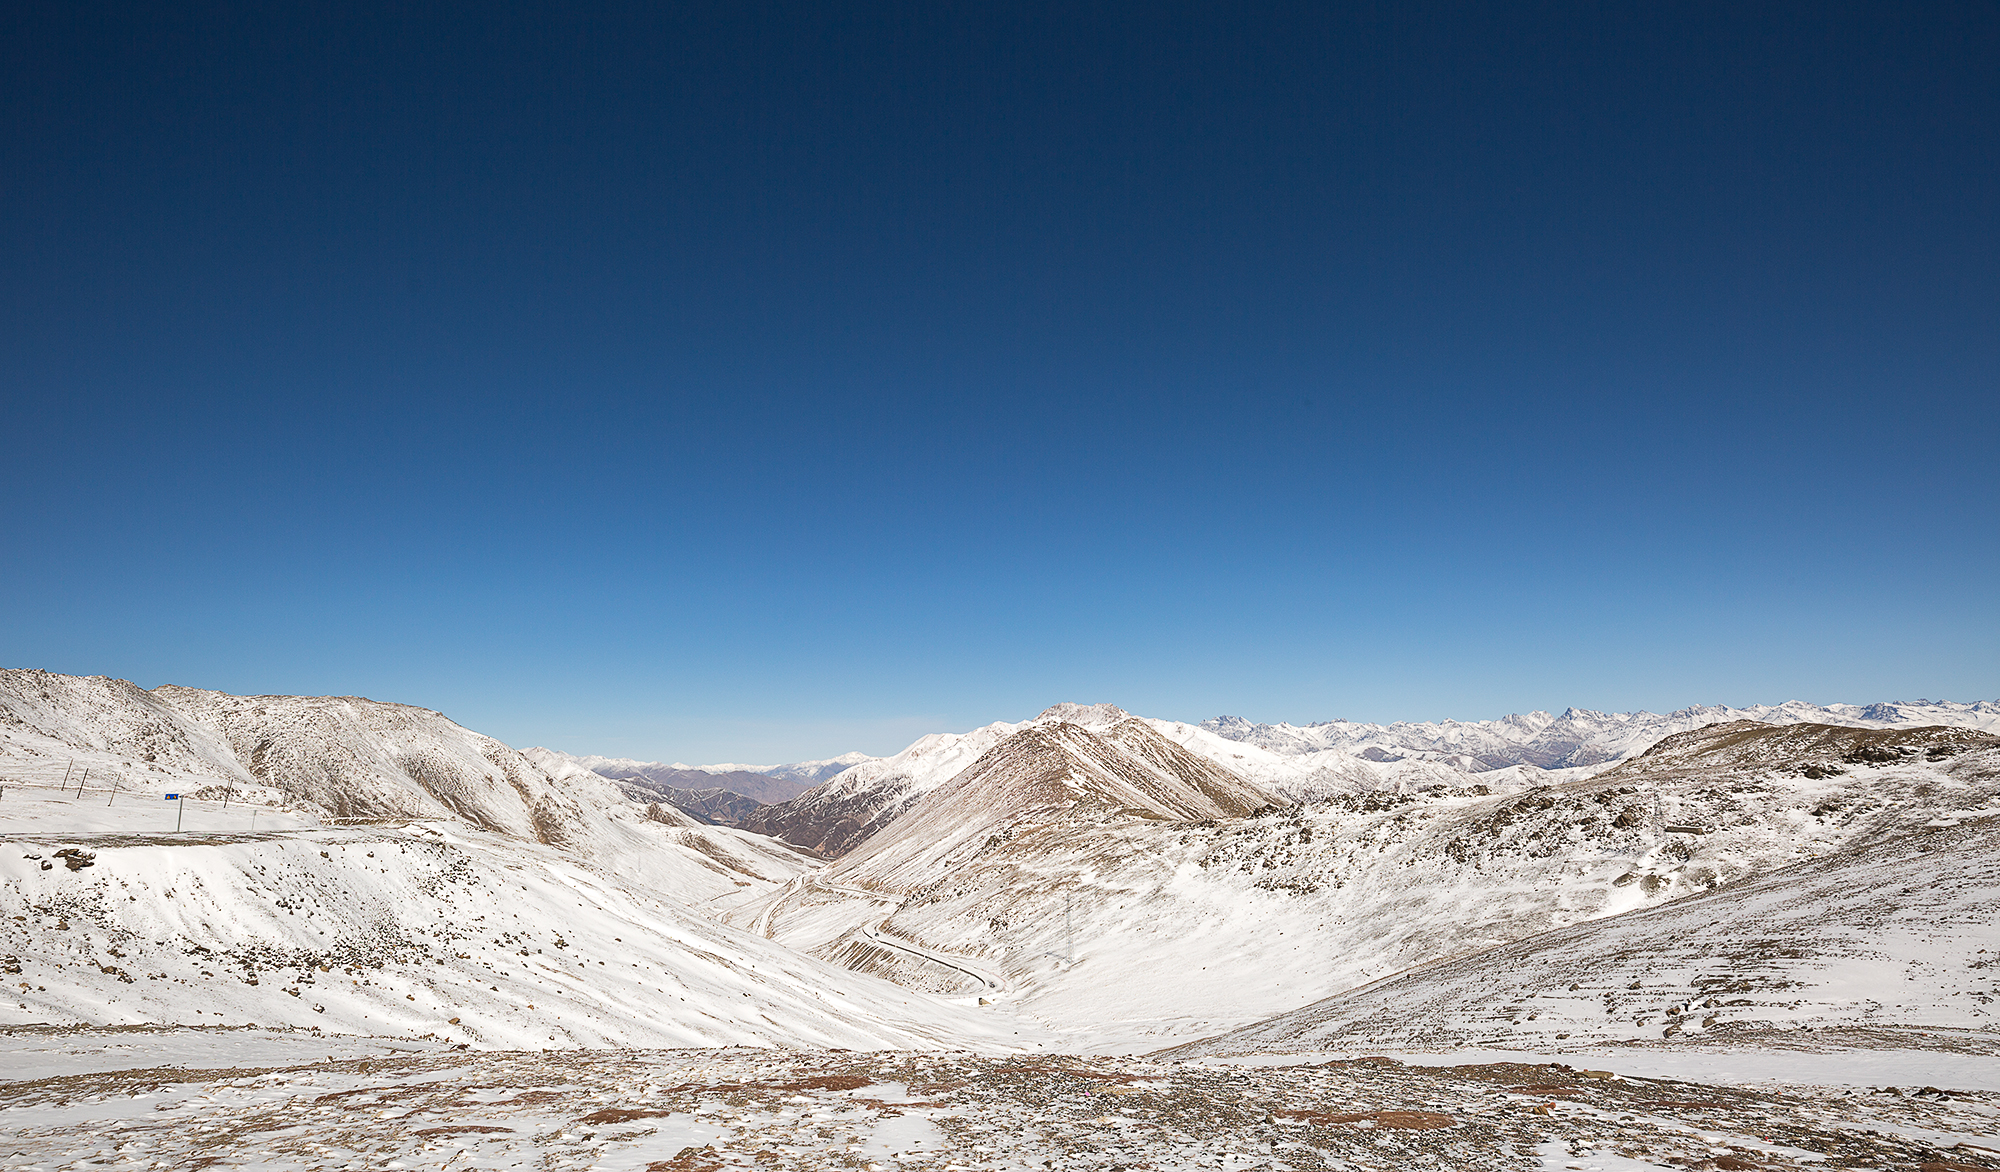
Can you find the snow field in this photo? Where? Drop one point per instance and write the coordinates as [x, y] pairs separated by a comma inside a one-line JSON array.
[[1187, 929], [1896, 934], [397, 931]]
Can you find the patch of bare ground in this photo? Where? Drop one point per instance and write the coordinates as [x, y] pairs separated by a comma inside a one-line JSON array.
[[709, 1110]]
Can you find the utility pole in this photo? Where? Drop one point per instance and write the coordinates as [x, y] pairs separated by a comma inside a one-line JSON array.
[[67, 770], [81, 780], [1069, 930], [1068, 955]]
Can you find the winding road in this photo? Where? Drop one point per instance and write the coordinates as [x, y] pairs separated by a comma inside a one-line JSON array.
[[801, 885]]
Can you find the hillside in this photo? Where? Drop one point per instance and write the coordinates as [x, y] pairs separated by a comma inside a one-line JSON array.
[[1052, 770], [1312, 762], [1109, 882], [714, 807], [348, 758], [347, 865], [1188, 927], [429, 929], [1578, 738], [1896, 934], [838, 816], [835, 816]]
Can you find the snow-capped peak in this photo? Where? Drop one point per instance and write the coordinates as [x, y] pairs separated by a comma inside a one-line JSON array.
[[1091, 716]]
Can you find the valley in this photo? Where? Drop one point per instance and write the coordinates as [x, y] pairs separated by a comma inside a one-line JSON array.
[[1203, 912]]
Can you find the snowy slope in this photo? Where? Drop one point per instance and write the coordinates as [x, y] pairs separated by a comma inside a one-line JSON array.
[[343, 757], [1576, 739], [1898, 933], [1051, 770], [835, 817], [1181, 929], [425, 929], [832, 817], [54, 726], [531, 901], [1288, 762], [1310, 776]]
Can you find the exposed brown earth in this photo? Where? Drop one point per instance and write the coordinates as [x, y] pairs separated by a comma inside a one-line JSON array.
[[719, 1109]]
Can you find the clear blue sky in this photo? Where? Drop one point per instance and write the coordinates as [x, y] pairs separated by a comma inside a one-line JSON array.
[[761, 381]]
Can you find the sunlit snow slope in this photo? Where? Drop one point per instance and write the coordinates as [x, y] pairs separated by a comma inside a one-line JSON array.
[[428, 929], [834, 817], [1191, 926], [1577, 739], [1305, 763], [349, 865], [1897, 933], [343, 757]]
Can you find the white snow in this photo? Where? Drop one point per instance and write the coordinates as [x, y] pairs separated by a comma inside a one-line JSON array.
[[397, 930], [351, 869], [1579, 737]]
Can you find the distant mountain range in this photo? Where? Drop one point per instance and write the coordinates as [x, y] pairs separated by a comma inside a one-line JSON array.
[[1578, 738], [830, 806], [773, 783], [1288, 762]]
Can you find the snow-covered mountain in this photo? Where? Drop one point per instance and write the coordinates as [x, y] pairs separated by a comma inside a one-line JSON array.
[[1317, 761], [1576, 739], [428, 929], [804, 773], [349, 865], [343, 756], [348, 758], [1070, 763], [749, 782], [1895, 933], [833, 817], [1189, 927], [1122, 882]]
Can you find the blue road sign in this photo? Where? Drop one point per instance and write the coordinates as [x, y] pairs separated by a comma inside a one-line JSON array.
[[173, 797]]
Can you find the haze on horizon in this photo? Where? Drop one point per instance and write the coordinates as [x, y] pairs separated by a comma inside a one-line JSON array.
[[758, 384]]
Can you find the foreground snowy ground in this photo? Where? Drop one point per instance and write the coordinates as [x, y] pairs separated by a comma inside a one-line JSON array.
[[333, 1104]]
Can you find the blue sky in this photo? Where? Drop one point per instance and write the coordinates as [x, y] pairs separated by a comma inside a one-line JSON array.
[[758, 382]]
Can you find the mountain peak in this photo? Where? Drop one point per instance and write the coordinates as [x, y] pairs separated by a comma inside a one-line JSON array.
[[1087, 715]]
